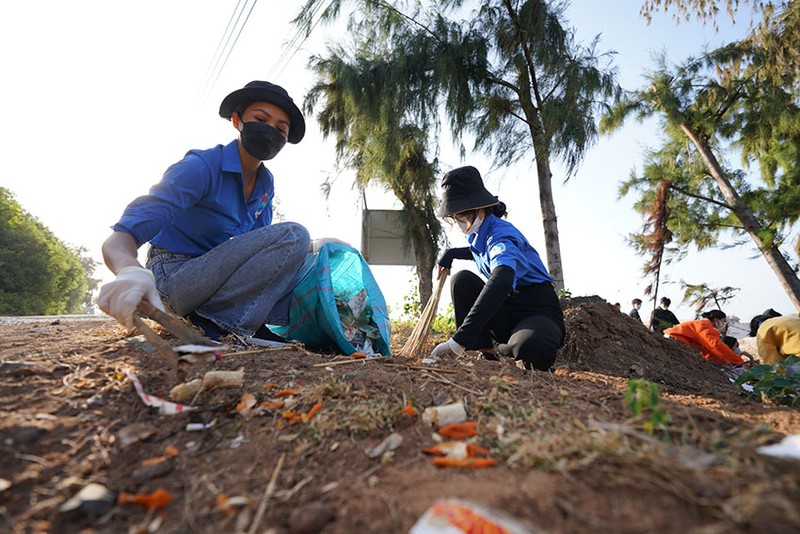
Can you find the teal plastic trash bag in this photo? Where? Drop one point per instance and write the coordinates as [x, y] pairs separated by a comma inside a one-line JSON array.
[[337, 304]]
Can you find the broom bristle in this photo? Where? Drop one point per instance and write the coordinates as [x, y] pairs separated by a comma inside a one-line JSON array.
[[420, 333]]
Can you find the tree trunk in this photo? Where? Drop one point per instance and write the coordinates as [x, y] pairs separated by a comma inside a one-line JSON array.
[[775, 259], [549, 222], [541, 149]]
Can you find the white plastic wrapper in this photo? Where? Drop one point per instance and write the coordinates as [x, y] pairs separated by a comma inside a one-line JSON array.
[[788, 447], [439, 416], [453, 516]]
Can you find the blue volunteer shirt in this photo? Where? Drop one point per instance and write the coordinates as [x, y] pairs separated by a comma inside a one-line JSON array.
[[497, 243], [199, 203]]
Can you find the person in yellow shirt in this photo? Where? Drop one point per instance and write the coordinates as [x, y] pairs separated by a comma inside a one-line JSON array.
[[778, 338]]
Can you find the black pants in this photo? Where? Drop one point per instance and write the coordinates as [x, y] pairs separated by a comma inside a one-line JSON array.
[[529, 325]]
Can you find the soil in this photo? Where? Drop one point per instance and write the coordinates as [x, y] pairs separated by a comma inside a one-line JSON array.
[[569, 455]]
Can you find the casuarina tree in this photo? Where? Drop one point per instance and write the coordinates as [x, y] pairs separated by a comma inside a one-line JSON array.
[[360, 103], [709, 106], [510, 74]]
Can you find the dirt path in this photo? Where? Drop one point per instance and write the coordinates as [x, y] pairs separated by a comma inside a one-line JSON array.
[[569, 457]]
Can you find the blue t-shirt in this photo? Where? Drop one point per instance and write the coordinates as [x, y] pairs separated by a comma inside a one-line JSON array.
[[199, 203], [497, 243]]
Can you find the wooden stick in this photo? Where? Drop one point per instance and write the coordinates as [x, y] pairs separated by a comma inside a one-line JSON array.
[[172, 324], [262, 507], [162, 347], [420, 333]]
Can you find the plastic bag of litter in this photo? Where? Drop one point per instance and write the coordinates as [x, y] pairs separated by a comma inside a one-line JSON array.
[[337, 304]]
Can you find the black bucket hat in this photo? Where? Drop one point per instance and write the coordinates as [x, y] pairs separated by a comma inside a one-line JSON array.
[[258, 91], [464, 190]]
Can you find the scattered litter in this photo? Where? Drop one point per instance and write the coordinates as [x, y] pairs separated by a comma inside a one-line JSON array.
[[788, 447], [409, 410], [152, 501], [453, 516], [223, 379], [194, 427], [199, 349], [212, 379], [391, 442], [186, 391], [230, 505], [133, 433], [467, 429], [246, 404], [93, 500], [165, 407], [437, 416], [457, 450]]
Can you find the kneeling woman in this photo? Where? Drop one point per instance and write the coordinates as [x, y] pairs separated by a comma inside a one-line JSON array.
[[705, 335], [517, 307]]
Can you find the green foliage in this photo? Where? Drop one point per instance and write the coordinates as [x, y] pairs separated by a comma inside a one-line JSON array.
[[39, 275], [510, 75], [445, 323], [564, 293], [644, 399], [722, 102], [702, 296], [775, 382]]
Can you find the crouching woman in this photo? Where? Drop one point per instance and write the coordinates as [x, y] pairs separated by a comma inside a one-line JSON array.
[[517, 307], [705, 335]]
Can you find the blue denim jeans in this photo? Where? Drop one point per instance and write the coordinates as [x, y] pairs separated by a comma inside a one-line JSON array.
[[240, 284]]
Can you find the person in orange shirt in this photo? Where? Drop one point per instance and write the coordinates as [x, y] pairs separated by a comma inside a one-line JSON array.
[[704, 335]]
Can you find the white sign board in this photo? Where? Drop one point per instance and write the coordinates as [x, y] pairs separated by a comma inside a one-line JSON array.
[[382, 240]]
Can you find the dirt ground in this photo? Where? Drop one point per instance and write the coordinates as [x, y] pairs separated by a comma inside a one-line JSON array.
[[569, 456]]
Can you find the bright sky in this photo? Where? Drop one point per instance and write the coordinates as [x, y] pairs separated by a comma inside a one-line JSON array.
[[101, 97]]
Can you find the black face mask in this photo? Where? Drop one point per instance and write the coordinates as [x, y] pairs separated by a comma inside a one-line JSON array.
[[261, 140]]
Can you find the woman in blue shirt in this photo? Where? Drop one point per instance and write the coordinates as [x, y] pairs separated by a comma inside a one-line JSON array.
[[215, 255], [517, 308]]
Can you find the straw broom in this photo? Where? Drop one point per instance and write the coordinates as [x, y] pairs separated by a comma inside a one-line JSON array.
[[420, 333]]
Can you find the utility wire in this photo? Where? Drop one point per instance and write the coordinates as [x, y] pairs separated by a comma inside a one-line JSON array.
[[291, 49], [220, 47], [232, 46]]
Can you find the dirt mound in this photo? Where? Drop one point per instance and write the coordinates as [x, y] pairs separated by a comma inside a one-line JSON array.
[[603, 340]]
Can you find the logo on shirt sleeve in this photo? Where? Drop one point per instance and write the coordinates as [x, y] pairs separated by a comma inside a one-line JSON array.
[[496, 250]]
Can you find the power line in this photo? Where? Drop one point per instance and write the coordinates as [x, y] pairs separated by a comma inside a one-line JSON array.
[[293, 46], [211, 83], [218, 52]]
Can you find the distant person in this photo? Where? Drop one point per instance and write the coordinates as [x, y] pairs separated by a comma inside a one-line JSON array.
[[778, 338], [756, 321], [705, 335], [215, 255], [732, 342], [637, 305], [516, 307], [662, 318]]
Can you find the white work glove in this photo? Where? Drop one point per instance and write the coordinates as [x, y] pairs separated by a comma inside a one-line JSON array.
[[442, 349], [120, 297], [316, 244]]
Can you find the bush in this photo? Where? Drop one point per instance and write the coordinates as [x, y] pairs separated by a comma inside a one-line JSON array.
[[779, 383]]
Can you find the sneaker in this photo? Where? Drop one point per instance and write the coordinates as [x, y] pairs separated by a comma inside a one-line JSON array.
[[264, 337], [210, 329]]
